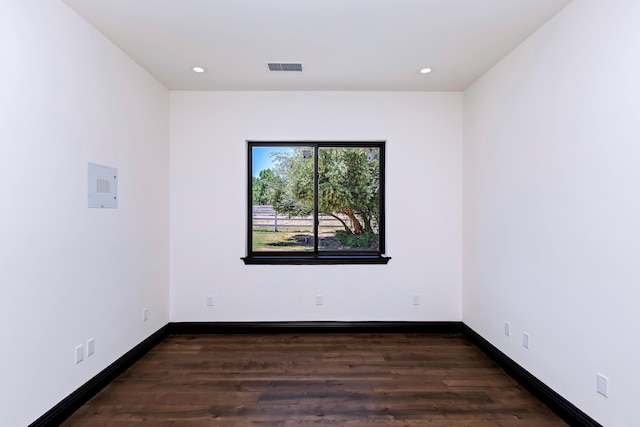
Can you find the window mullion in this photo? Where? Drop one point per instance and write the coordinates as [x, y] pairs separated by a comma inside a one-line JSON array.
[[316, 218]]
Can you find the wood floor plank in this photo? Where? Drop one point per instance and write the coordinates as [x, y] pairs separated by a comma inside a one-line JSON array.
[[322, 379]]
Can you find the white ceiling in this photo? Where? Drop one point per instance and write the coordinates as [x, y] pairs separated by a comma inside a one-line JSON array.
[[344, 44]]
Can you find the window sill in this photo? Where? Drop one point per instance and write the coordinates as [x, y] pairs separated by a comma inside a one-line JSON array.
[[315, 260]]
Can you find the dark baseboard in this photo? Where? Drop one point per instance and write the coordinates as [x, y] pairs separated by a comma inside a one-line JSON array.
[[314, 327], [567, 411], [63, 410], [558, 404]]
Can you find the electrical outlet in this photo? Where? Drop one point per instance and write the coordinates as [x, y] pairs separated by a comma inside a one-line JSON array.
[[507, 329], [415, 299], [602, 386], [79, 353], [525, 340], [91, 346], [319, 300], [209, 300], [145, 314]]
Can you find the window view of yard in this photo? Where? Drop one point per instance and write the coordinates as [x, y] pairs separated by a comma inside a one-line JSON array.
[[284, 199]]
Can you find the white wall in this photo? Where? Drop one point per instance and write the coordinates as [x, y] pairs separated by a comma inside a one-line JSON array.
[[551, 206], [70, 273], [208, 206]]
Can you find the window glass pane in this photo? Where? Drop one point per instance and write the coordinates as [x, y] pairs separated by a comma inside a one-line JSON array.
[[348, 199], [282, 199]]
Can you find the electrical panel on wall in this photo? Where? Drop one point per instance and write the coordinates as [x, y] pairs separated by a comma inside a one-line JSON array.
[[103, 186]]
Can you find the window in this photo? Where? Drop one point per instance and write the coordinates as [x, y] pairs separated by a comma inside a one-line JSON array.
[[315, 203]]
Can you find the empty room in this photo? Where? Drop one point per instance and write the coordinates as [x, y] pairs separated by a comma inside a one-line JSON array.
[[355, 212]]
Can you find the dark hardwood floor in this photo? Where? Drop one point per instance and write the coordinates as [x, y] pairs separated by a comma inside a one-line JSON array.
[[326, 379]]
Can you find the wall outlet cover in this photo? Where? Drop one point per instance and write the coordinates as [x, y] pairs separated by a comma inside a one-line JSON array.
[[602, 386], [525, 340], [79, 353]]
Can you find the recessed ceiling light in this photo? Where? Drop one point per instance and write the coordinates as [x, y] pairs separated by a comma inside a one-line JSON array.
[[425, 70], [199, 70]]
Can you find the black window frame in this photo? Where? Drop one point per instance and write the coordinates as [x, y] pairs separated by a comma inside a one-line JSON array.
[[316, 256]]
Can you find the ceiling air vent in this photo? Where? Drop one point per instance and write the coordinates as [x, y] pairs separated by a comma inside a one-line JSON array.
[[285, 66]]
